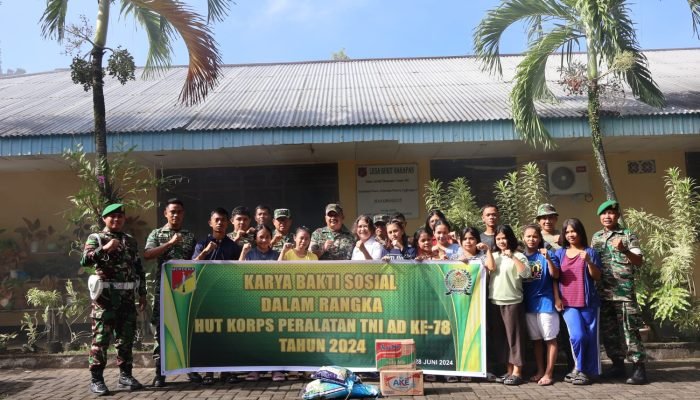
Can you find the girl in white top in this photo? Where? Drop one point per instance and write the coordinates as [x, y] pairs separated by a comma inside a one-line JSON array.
[[367, 247], [508, 267]]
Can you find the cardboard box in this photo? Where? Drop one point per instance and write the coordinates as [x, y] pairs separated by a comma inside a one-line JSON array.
[[395, 354], [401, 382]]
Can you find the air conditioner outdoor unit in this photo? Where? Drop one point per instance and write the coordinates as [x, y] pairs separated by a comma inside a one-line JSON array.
[[568, 177]]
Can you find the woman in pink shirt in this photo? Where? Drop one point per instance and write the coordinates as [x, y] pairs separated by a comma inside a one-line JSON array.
[[577, 297]]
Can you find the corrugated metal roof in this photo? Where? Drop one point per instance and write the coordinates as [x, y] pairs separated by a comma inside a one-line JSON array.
[[318, 94]]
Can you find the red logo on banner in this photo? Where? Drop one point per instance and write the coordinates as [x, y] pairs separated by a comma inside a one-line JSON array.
[[182, 280]]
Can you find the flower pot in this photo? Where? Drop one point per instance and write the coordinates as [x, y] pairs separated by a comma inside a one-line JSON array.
[[55, 347], [645, 333]]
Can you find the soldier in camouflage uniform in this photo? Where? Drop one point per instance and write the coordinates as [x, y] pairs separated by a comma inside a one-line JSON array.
[[620, 317], [118, 278], [380, 234], [283, 228], [334, 241], [242, 231], [169, 242]]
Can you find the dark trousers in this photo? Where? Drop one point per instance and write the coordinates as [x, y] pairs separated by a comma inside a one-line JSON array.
[[507, 333]]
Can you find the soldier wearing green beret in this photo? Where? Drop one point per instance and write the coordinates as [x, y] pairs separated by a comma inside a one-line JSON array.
[[119, 279], [620, 318]]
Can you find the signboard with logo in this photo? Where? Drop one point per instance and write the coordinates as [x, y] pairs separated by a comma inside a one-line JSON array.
[[386, 189], [261, 316]]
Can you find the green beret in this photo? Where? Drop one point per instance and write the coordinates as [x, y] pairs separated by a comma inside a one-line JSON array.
[[112, 208], [608, 204]]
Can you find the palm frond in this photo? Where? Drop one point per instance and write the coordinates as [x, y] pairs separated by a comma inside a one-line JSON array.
[[695, 14], [53, 21], [487, 35], [614, 35], [159, 34], [530, 85], [204, 59], [217, 10]]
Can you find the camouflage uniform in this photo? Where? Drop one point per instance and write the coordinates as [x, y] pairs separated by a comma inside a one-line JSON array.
[[343, 243], [289, 238], [181, 251], [247, 238], [620, 317], [114, 311]]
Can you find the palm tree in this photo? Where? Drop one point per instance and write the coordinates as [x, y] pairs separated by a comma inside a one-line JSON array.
[[610, 38], [163, 21]]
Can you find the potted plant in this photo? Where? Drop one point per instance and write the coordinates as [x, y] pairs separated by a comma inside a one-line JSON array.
[[32, 234], [50, 300]]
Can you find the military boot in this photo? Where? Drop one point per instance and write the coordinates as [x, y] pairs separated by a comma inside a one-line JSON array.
[[617, 371], [639, 375], [127, 381], [97, 383], [159, 381]]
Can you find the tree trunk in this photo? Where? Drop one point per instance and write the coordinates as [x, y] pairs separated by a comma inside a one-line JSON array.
[[102, 171], [100, 129], [597, 140], [594, 119]]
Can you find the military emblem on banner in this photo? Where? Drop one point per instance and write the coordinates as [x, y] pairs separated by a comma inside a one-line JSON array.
[[459, 281], [362, 172], [183, 280]]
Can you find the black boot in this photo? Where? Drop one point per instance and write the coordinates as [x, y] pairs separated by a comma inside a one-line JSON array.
[[617, 371], [127, 381], [194, 377], [158, 381], [639, 375], [97, 383]]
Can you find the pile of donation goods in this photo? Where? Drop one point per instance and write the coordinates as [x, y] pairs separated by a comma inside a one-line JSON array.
[[396, 363]]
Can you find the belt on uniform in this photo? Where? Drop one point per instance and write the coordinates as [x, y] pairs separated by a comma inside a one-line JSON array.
[[118, 285]]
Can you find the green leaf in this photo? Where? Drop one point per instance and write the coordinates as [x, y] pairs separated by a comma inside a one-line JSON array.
[[53, 21], [488, 33]]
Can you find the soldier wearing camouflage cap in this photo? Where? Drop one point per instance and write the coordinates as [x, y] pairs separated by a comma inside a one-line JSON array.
[[547, 217], [334, 241], [283, 229], [620, 318], [119, 279], [380, 234]]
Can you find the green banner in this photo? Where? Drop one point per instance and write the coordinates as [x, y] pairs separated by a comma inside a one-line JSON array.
[[260, 316]]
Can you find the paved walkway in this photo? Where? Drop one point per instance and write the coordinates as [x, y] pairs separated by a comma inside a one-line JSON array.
[[670, 380]]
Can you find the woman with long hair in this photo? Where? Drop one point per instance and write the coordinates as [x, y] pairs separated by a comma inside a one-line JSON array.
[[507, 270], [580, 267]]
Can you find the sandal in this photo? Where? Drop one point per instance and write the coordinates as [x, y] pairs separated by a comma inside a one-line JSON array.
[[430, 378], [208, 380], [293, 376], [253, 376], [451, 379], [569, 378], [232, 379], [545, 381], [513, 380], [465, 379], [501, 379], [581, 379], [278, 376]]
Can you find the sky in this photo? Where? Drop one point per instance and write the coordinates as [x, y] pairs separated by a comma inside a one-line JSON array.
[[263, 31]]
